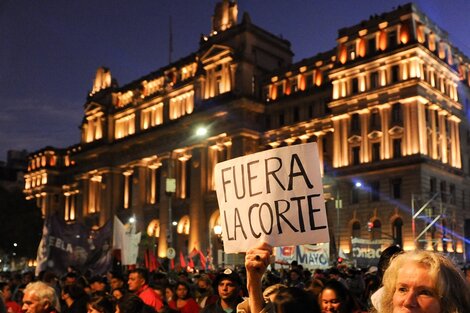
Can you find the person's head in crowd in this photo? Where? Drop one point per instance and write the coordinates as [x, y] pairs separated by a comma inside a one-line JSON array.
[[116, 280], [183, 276], [98, 284], [295, 300], [40, 297], [27, 277], [424, 281], [50, 278], [229, 286], [129, 303], [170, 294], [204, 285], [70, 278], [5, 290], [118, 293], [335, 298], [384, 260], [270, 292], [319, 274], [295, 275], [334, 273], [100, 304], [138, 278], [71, 293], [182, 290], [160, 278], [315, 286]]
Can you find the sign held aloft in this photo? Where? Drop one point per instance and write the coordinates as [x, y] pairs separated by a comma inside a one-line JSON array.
[[274, 196]]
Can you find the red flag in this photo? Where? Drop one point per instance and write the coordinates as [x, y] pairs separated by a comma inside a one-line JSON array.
[[172, 264], [182, 260], [147, 259], [193, 253], [203, 259], [191, 263]]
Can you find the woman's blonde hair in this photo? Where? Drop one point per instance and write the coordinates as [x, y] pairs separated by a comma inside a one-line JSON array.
[[450, 286]]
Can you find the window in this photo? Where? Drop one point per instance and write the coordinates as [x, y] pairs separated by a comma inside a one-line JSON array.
[[354, 85], [396, 113], [443, 186], [396, 148], [375, 121], [395, 185], [296, 114], [376, 232], [395, 73], [124, 126], [392, 39], [371, 45], [152, 116], [375, 191], [432, 186], [397, 227], [281, 119], [374, 80], [356, 230], [355, 122], [352, 51], [355, 155], [452, 194], [376, 151]]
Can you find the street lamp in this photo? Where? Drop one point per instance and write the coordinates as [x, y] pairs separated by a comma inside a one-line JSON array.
[[338, 206]]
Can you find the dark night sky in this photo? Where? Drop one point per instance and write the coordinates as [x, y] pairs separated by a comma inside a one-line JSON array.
[[50, 49]]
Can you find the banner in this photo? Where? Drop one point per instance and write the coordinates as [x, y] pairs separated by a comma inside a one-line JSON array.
[[63, 245], [309, 256], [367, 252], [274, 196], [126, 240]]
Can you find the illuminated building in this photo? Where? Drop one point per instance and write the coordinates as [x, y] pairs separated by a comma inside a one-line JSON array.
[[388, 107]]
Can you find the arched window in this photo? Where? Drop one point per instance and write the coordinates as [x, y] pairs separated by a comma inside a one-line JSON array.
[[356, 230], [397, 227], [376, 232]]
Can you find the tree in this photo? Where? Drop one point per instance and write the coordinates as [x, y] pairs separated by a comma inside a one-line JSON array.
[[20, 223]]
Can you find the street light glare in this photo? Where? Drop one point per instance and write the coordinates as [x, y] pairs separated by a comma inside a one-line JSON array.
[[358, 184], [132, 220], [201, 131]]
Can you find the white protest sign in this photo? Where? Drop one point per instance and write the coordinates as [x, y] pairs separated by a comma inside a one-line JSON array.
[[274, 196]]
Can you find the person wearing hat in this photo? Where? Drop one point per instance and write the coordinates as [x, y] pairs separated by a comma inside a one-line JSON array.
[[229, 286]]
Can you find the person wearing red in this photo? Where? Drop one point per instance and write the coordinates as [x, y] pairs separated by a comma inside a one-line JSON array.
[[184, 302], [11, 306], [138, 283]]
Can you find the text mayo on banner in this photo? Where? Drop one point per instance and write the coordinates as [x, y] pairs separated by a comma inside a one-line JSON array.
[[274, 196]]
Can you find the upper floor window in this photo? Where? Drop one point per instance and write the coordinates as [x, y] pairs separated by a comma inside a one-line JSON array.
[[355, 126], [124, 126], [395, 73], [392, 39], [152, 116], [374, 80], [371, 45], [181, 105], [396, 113]]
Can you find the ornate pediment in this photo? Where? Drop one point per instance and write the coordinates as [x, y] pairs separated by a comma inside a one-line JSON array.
[[355, 139], [375, 135], [216, 53], [395, 131]]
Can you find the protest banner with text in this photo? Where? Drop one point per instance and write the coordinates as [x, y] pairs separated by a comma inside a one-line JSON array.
[[274, 196]]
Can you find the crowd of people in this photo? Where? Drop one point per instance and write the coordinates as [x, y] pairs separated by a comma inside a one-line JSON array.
[[412, 282]]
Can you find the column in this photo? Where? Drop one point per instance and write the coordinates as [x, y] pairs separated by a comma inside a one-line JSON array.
[[198, 234], [443, 136], [167, 171], [385, 122], [364, 116]]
